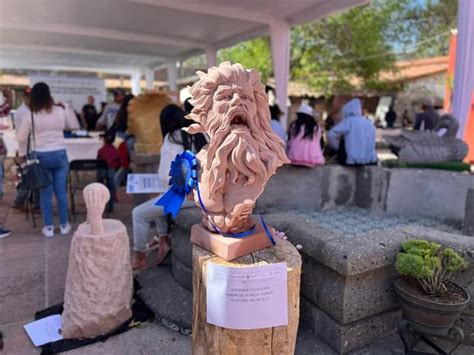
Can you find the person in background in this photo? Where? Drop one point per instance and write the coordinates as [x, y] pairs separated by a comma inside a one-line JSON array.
[[358, 134], [199, 140], [390, 117], [111, 156], [405, 118], [175, 142], [89, 114], [333, 119], [6, 102], [22, 112], [120, 126], [428, 117], [275, 115], [304, 139], [50, 121], [107, 118], [6, 99]]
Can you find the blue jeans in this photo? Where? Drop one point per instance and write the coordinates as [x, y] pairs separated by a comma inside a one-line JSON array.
[[58, 166]]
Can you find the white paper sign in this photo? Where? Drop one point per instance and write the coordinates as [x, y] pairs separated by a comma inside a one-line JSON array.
[[44, 330], [144, 184], [73, 90], [247, 298]]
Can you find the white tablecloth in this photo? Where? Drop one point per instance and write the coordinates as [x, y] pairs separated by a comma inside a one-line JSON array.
[[77, 148]]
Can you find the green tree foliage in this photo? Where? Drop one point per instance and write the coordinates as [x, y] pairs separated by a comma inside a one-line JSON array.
[[429, 263], [359, 43], [255, 54], [431, 22]]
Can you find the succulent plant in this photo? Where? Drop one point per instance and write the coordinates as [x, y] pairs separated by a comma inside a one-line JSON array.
[[429, 263]]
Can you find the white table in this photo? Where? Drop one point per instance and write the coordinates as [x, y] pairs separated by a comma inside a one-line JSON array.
[[77, 148]]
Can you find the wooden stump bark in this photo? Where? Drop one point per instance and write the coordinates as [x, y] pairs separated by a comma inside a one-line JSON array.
[[211, 339]]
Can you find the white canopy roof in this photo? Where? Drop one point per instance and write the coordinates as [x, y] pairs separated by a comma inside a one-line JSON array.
[[126, 35]]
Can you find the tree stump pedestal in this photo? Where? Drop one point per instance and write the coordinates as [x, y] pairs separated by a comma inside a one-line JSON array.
[[211, 339]]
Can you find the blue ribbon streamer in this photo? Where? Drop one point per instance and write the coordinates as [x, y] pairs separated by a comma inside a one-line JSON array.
[[183, 173]]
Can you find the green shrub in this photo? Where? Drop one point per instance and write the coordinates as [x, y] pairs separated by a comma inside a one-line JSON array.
[[429, 263]]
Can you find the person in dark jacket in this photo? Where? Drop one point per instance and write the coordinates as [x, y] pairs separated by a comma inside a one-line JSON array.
[[428, 117]]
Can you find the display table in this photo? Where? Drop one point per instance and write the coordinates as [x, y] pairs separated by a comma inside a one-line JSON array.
[[77, 148], [82, 148], [211, 339]]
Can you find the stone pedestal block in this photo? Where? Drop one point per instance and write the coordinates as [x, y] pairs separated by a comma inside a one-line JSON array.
[[210, 339], [99, 283], [230, 248]]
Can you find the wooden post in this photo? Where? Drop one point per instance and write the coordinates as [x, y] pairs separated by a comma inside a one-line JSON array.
[[211, 339]]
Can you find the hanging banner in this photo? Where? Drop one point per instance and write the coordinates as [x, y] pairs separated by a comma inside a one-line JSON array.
[[72, 91], [469, 132]]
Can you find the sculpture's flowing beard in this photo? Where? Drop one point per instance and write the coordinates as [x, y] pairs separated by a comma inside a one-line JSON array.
[[236, 154]]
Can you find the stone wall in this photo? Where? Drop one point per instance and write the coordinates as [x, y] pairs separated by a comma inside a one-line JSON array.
[[408, 192]]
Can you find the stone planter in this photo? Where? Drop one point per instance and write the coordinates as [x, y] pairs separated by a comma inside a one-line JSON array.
[[429, 316]]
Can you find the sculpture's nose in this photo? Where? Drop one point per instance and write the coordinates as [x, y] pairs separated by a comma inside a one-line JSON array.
[[236, 100]]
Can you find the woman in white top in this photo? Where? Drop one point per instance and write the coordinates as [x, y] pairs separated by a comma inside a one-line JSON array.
[[50, 121], [175, 142]]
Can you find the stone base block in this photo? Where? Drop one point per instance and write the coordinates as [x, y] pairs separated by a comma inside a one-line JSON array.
[[348, 337], [348, 298], [182, 274], [230, 248]]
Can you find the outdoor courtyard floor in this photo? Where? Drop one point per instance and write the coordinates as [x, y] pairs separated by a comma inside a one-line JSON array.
[[32, 277]]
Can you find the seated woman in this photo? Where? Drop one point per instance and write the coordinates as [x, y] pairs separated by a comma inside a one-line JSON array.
[[175, 142], [304, 139]]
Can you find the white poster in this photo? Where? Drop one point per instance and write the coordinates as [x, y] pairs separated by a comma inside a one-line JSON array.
[[144, 184], [247, 298], [73, 91]]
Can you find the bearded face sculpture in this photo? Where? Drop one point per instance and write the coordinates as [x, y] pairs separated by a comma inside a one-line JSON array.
[[231, 106]]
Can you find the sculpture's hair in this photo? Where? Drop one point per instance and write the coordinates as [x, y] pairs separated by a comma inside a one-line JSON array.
[[224, 145]]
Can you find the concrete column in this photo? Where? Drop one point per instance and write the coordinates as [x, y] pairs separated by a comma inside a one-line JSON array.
[[172, 71], [464, 71], [149, 78], [280, 40], [211, 57], [135, 82]]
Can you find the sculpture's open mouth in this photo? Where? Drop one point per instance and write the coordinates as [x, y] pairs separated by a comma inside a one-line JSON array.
[[238, 120]]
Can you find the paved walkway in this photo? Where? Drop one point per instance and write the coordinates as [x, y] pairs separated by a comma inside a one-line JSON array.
[[32, 277]]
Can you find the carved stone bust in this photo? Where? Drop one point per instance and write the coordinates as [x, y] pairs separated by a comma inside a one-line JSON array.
[[231, 106]]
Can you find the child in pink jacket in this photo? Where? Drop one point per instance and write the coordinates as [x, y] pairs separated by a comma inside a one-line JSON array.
[[304, 139]]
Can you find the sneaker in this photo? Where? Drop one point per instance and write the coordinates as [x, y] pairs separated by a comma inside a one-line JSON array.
[[65, 229], [48, 231], [4, 233]]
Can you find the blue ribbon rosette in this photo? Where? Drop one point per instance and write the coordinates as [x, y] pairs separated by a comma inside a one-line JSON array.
[[183, 173]]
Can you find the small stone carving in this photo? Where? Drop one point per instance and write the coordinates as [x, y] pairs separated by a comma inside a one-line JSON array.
[[231, 106], [429, 147], [144, 121], [99, 284]]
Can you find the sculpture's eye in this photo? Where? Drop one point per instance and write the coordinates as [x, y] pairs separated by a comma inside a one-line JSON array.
[[228, 97]]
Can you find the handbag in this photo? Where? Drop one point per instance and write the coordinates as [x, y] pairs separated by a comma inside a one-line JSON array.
[[33, 174]]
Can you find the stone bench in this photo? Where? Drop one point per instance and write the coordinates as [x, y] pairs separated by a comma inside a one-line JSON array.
[[346, 286]]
